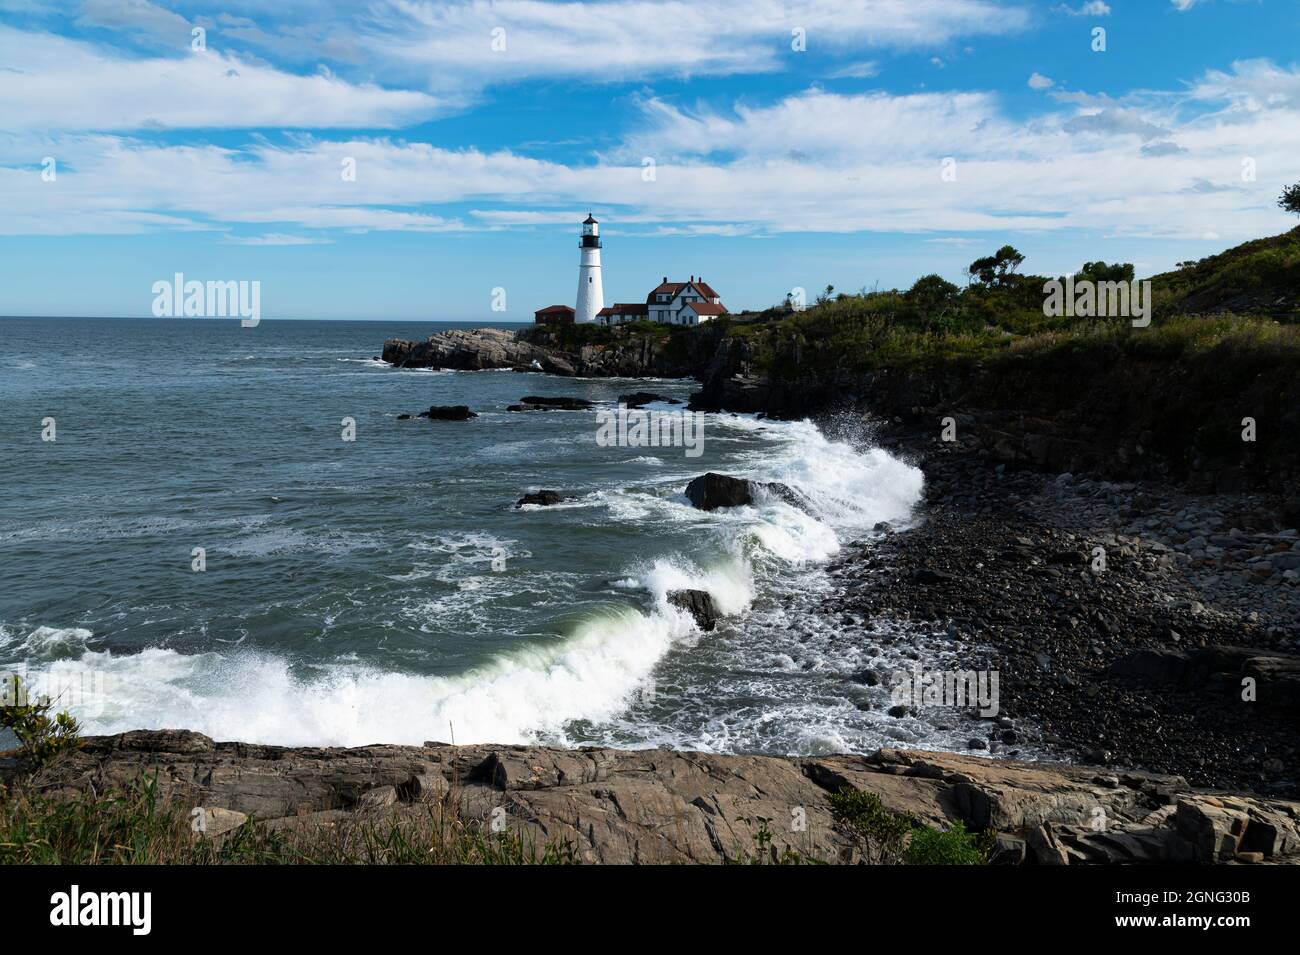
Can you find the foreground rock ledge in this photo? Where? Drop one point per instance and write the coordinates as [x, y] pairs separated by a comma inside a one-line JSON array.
[[658, 806]]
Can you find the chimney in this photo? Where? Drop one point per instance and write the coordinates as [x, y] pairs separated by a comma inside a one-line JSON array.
[[665, 280]]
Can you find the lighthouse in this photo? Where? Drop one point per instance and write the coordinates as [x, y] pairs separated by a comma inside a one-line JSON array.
[[591, 294]]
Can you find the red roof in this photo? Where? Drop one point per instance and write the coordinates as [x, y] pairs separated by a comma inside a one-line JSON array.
[[705, 308], [621, 308], [555, 310], [672, 288]]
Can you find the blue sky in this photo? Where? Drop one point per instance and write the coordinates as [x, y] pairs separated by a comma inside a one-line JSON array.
[[773, 166]]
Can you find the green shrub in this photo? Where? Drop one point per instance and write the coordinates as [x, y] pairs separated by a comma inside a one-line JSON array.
[[955, 846], [42, 737], [881, 834]]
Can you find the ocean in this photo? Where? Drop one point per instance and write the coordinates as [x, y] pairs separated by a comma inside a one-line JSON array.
[[386, 589]]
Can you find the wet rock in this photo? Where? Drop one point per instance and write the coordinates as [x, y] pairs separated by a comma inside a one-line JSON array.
[[639, 399], [700, 604], [554, 403], [541, 498], [712, 491], [448, 413]]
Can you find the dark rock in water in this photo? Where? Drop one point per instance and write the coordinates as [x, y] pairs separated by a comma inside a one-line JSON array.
[[562, 403], [976, 742], [448, 413], [375, 358], [403, 417], [786, 493], [713, 490], [700, 605], [898, 711], [541, 498], [866, 677], [639, 398]]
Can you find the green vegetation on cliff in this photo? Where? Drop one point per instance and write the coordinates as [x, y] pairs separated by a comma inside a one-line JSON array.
[[1244, 298]]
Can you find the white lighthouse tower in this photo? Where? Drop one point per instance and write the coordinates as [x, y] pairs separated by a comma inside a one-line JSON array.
[[591, 294]]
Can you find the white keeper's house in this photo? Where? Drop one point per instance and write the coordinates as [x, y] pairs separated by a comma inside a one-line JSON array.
[[669, 303]]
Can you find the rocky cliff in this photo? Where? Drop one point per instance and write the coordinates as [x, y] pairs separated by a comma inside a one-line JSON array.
[[588, 351], [659, 806]]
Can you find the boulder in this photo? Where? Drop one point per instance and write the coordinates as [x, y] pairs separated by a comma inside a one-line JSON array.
[[448, 413], [212, 821], [557, 402], [639, 398], [713, 490], [541, 498], [700, 604]]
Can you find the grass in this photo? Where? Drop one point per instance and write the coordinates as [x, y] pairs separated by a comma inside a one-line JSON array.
[[137, 827]]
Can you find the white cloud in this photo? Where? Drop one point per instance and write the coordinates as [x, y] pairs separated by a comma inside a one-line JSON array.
[[858, 71], [1252, 85], [1037, 81], [814, 161], [276, 238], [451, 43], [1091, 8], [137, 16], [53, 83]]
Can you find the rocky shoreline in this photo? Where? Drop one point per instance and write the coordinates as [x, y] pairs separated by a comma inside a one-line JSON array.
[[1137, 660], [1139, 664], [659, 806]]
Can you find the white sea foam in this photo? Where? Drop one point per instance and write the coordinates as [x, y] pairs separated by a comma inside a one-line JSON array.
[[525, 695], [590, 673]]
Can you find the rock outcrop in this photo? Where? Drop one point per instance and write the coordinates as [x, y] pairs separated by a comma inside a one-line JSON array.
[[550, 403], [711, 491], [699, 604], [467, 350], [448, 413], [658, 806], [540, 498]]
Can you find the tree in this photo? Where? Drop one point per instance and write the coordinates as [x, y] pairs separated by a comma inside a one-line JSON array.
[[998, 268], [1290, 199], [1101, 272], [932, 294]]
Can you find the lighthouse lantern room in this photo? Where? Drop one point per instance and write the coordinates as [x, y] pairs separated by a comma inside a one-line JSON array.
[[591, 294]]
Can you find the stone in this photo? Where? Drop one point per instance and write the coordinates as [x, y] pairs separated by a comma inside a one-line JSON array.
[[212, 821], [553, 402], [712, 491], [378, 798], [639, 399], [699, 604], [541, 498], [448, 413]]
